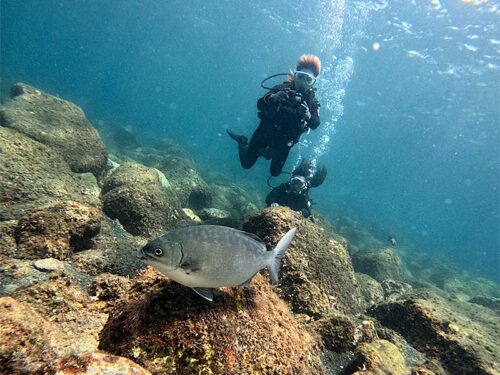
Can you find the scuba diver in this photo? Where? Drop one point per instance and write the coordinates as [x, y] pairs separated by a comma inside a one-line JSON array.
[[286, 111], [295, 192]]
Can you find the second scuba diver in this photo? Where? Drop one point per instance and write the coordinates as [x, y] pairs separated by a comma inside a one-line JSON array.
[[286, 111], [295, 192]]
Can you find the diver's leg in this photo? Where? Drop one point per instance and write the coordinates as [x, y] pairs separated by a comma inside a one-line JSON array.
[[250, 152], [279, 158]]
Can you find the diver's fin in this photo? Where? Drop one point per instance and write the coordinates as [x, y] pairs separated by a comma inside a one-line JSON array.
[[236, 137], [278, 252], [246, 284], [207, 293]]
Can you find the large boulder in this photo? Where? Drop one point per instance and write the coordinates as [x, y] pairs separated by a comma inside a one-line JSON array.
[[28, 342], [371, 290], [32, 175], [191, 189], [97, 363], [318, 277], [377, 358], [140, 198], [461, 336], [57, 230], [114, 251], [381, 264], [56, 123], [169, 329]]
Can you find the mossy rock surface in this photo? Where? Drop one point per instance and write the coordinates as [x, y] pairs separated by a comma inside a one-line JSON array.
[[463, 337], [169, 329], [135, 195], [33, 175], [57, 123], [57, 230], [381, 264], [317, 274]]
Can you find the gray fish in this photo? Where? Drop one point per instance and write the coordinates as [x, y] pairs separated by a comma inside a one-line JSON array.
[[210, 256]]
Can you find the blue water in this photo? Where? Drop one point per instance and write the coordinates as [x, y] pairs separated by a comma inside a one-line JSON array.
[[410, 131]]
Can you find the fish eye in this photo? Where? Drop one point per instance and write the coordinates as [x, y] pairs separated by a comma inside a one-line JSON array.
[[158, 252]]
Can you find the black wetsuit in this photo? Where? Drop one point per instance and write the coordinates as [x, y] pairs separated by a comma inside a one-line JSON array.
[[281, 125], [297, 202]]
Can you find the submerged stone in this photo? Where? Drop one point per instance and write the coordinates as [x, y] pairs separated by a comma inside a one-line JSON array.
[[461, 336], [317, 274], [168, 329], [57, 123]]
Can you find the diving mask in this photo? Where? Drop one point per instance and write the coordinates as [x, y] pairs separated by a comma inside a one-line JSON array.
[[304, 78], [297, 185]]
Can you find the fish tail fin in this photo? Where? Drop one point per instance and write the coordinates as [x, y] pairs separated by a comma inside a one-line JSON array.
[[278, 252]]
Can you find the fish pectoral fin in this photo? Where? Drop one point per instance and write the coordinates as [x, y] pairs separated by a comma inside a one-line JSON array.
[[207, 293], [246, 284]]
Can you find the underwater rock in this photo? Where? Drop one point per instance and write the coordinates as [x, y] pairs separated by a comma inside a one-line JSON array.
[[192, 216], [317, 273], [108, 287], [28, 342], [115, 252], [371, 289], [461, 336], [32, 175], [380, 264], [58, 124], [49, 265], [336, 332], [490, 302], [233, 199], [168, 329], [357, 236], [395, 289], [133, 194], [190, 188], [215, 216], [61, 301], [379, 357], [57, 230], [97, 363]]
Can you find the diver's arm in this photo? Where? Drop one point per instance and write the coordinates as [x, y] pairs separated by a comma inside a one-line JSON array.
[[271, 197], [314, 122]]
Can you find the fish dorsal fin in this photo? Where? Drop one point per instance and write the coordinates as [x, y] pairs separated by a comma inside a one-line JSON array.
[[254, 237], [207, 293]]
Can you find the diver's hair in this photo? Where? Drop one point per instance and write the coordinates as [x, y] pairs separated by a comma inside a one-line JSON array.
[[304, 168], [318, 177], [311, 62]]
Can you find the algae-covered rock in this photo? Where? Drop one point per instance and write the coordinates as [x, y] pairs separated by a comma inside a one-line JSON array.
[[134, 195], [490, 302], [169, 329], [115, 251], [379, 357], [57, 230], [337, 332], [380, 264], [371, 289], [461, 336], [61, 301], [232, 199], [358, 237], [318, 277], [97, 363], [188, 185], [56, 123], [216, 216], [28, 342], [32, 175]]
